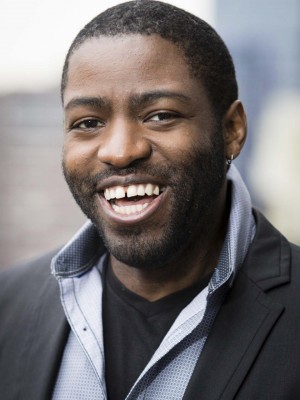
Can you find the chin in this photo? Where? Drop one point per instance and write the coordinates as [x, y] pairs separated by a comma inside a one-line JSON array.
[[142, 248]]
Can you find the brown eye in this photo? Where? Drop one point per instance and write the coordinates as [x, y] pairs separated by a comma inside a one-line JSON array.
[[163, 116], [88, 124]]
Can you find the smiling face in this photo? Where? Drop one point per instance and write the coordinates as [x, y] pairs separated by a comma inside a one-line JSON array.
[[143, 156]]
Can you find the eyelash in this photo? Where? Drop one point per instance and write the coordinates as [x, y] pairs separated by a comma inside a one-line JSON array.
[[168, 114], [85, 121]]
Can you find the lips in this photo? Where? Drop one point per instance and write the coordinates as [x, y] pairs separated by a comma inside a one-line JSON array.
[[131, 199]]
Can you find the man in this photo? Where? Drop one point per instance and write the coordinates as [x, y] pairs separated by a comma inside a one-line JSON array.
[[175, 288]]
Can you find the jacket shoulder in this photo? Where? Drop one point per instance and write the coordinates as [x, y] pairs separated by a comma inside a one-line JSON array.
[[271, 257], [295, 252], [21, 287], [25, 276]]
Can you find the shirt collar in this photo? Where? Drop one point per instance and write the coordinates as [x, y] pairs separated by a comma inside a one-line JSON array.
[[240, 232], [79, 254]]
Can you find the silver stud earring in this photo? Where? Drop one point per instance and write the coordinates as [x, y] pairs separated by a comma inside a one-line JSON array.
[[229, 160]]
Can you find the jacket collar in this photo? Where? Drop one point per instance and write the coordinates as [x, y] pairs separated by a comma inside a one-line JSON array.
[[246, 318], [268, 261]]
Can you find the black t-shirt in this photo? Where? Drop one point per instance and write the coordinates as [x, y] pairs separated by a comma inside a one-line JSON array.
[[133, 329]]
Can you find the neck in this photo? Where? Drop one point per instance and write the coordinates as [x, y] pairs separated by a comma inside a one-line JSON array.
[[194, 263]]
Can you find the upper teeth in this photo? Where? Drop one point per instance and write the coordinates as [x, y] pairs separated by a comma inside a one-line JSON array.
[[119, 192]]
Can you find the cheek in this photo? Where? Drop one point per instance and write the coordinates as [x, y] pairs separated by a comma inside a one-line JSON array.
[[183, 143], [78, 157]]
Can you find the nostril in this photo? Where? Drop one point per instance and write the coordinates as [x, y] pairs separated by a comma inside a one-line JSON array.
[[123, 154]]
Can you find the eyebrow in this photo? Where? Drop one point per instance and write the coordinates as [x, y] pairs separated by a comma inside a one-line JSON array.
[[144, 99], [93, 102]]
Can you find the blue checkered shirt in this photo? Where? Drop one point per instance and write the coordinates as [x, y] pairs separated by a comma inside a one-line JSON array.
[[78, 268]]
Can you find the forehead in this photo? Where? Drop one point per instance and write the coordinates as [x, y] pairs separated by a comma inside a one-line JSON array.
[[128, 63]]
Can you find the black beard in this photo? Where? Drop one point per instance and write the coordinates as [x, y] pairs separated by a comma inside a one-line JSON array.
[[195, 186]]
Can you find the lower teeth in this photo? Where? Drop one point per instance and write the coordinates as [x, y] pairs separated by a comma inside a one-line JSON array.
[[127, 210]]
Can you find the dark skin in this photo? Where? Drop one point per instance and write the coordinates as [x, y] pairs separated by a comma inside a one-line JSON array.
[[125, 103]]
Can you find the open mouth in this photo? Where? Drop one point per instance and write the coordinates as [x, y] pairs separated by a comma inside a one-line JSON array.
[[132, 199]]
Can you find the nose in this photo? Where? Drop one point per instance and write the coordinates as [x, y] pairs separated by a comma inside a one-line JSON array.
[[122, 143]]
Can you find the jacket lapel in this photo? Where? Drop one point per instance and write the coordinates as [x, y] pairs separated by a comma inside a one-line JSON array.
[[244, 321], [43, 344]]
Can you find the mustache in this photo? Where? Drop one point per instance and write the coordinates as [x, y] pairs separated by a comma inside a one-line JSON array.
[[162, 170]]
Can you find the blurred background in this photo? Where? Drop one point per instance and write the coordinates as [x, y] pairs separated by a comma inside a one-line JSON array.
[[37, 211]]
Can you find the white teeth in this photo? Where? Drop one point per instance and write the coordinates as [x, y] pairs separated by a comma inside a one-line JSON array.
[[116, 208], [149, 189], [119, 192], [107, 194], [156, 190], [141, 190], [132, 191], [112, 193], [128, 210], [140, 207]]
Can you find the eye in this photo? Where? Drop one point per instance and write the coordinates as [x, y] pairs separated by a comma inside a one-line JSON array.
[[163, 116], [89, 123]]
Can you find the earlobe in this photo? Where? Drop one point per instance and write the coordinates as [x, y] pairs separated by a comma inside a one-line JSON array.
[[235, 129]]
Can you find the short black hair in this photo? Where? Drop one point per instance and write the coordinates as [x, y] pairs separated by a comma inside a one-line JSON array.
[[204, 50]]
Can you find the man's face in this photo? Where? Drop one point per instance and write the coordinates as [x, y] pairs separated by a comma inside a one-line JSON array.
[[143, 156]]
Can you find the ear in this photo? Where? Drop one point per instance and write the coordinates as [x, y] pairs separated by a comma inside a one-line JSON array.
[[235, 129]]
